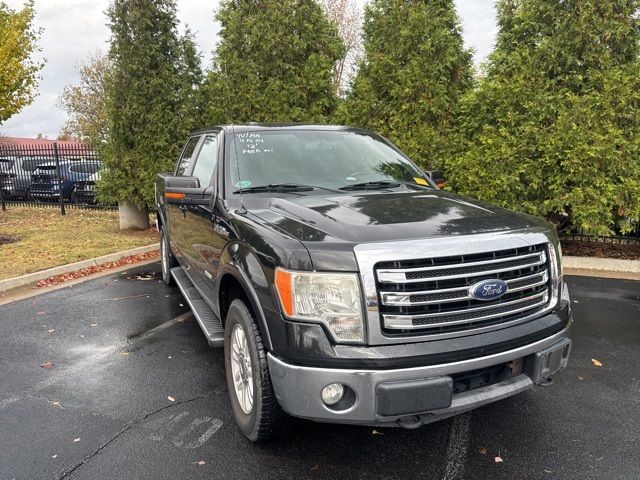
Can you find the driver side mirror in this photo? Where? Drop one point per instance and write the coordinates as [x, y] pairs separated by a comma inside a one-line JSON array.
[[437, 176], [186, 191]]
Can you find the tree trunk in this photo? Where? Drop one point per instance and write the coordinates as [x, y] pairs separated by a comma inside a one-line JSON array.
[[131, 217]]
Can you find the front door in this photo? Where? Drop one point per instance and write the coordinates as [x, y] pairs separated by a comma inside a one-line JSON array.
[[177, 214], [204, 248]]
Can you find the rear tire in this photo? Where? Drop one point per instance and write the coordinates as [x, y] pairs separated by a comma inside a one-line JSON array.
[[265, 419], [166, 257]]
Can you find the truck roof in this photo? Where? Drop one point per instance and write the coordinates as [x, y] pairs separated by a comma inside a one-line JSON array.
[[249, 127]]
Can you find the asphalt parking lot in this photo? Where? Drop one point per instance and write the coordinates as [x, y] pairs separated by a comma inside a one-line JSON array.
[[122, 344]]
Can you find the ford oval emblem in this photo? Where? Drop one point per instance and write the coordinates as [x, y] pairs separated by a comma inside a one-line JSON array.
[[488, 289]]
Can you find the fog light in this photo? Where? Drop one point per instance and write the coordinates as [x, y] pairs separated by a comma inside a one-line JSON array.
[[331, 394]]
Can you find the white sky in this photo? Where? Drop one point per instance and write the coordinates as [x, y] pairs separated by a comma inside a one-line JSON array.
[[73, 28]]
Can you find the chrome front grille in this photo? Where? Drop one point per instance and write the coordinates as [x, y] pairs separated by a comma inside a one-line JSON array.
[[429, 296]]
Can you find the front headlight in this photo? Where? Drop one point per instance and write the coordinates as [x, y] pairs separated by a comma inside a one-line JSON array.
[[330, 298]]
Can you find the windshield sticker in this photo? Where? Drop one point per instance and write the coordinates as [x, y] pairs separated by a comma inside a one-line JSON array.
[[243, 184], [420, 181]]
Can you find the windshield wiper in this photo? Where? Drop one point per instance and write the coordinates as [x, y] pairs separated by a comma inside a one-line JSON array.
[[377, 185], [382, 184], [283, 188]]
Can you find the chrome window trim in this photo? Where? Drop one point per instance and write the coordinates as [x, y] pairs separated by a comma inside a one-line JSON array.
[[368, 254]]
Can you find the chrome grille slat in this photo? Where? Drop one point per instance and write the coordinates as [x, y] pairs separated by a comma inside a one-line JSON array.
[[445, 300], [536, 280], [389, 276], [466, 264], [394, 322]]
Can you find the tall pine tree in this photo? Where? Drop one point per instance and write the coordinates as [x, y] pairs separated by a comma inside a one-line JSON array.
[[274, 63], [151, 105], [553, 128], [414, 72]]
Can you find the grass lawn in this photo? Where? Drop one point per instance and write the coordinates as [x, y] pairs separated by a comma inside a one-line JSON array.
[[37, 238]]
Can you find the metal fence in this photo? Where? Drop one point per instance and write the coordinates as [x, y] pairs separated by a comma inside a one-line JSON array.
[[56, 175], [632, 238]]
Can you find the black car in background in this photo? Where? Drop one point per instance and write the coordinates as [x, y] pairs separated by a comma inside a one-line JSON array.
[[46, 185], [84, 191], [15, 175]]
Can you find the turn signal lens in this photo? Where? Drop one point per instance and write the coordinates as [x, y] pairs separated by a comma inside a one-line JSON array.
[[174, 195], [283, 286]]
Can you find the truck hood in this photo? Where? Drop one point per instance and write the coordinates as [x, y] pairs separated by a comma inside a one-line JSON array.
[[381, 217]]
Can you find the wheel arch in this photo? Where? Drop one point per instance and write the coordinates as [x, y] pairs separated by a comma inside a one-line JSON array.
[[235, 283]]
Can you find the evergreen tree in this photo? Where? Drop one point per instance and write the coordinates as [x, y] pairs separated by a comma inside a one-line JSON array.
[[414, 72], [553, 127], [274, 63], [150, 97]]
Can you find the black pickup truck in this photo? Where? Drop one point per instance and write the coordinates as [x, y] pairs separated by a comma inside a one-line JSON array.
[[345, 286]]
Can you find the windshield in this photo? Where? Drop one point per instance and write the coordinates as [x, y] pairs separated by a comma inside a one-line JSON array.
[[324, 159]]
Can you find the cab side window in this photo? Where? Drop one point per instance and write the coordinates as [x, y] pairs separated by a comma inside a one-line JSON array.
[[207, 160], [187, 154]]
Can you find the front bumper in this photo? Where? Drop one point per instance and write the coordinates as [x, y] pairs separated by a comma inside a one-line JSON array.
[[410, 397]]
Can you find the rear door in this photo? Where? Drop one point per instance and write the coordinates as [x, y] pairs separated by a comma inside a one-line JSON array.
[[177, 214]]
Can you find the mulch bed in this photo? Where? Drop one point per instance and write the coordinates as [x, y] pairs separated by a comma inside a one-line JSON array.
[[85, 272], [600, 249]]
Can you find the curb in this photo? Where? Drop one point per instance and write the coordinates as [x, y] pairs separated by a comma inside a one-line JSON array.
[[12, 283], [597, 265]]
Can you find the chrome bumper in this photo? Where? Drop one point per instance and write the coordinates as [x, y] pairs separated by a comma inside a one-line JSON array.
[[298, 388]]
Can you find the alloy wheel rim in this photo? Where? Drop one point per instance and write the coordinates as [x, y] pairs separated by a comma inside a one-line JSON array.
[[241, 369]]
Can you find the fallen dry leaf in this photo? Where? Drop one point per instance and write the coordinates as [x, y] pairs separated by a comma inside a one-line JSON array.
[[171, 399], [93, 325], [597, 363], [47, 365], [40, 313], [483, 451], [51, 330], [580, 377], [95, 269], [498, 459], [124, 354], [76, 440], [201, 462]]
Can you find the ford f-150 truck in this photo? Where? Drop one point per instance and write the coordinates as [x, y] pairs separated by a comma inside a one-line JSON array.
[[345, 286]]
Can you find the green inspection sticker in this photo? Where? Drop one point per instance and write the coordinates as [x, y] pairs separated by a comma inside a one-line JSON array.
[[243, 184]]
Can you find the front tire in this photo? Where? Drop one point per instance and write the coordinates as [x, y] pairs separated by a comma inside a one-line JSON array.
[[166, 257], [253, 400]]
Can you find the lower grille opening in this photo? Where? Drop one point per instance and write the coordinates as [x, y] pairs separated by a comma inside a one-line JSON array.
[[467, 381]]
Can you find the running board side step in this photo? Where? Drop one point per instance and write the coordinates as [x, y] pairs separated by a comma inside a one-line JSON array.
[[206, 317]]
